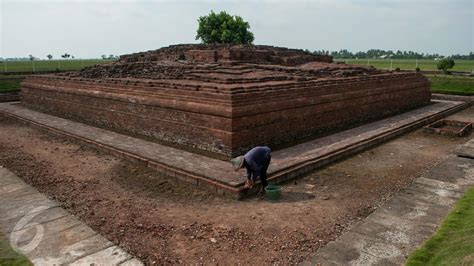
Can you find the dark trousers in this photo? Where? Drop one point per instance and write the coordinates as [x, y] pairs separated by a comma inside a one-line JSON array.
[[263, 171]]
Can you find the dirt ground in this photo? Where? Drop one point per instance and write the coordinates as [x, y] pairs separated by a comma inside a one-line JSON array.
[[167, 223]]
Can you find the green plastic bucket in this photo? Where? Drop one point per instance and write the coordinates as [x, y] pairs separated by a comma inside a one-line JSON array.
[[273, 192]]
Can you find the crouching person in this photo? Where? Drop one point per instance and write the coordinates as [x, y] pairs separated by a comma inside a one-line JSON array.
[[256, 161]]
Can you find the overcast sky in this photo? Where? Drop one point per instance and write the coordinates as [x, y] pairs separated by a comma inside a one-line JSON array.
[[89, 29]]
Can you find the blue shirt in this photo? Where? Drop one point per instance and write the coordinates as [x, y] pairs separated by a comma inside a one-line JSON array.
[[255, 159]]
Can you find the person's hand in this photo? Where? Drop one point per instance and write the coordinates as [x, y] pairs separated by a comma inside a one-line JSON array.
[[249, 184]]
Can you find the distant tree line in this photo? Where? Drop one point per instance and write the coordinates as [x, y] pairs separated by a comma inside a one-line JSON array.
[[377, 53], [342, 54], [49, 57], [109, 57]]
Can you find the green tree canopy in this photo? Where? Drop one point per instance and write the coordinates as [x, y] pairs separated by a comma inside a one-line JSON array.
[[445, 64], [224, 28]]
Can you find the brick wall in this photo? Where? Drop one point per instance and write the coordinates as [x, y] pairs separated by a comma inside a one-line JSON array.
[[226, 52], [225, 99], [227, 122]]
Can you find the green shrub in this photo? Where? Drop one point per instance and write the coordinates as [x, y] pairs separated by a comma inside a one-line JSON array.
[[445, 64]]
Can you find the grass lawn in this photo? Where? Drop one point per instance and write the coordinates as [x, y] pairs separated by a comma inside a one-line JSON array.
[[8, 256], [452, 84], [9, 85], [409, 64], [453, 244]]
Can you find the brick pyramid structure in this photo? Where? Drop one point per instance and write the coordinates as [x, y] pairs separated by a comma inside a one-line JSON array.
[[221, 100]]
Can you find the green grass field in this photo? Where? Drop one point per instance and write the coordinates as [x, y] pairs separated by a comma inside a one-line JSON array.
[[409, 64], [8, 256], [9, 85], [451, 84], [453, 244], [48, 65]]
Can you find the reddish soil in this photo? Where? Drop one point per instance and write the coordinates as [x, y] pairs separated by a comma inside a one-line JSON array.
[[162, 222]]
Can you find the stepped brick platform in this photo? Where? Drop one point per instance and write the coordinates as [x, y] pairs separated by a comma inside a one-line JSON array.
[[217, 175], [221, 100]]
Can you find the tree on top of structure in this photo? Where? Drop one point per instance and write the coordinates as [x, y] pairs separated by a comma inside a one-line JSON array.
[[224, 28]]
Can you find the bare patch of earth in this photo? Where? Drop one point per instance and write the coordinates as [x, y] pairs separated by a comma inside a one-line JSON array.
[[160, 221]]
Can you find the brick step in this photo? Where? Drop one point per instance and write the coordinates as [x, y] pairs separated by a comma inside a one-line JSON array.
[[215, 175]]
